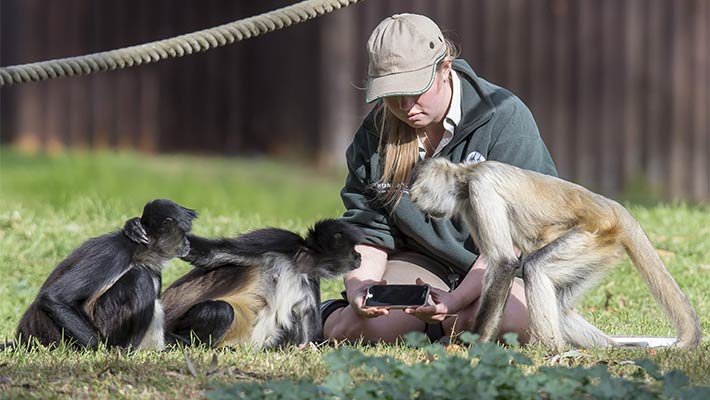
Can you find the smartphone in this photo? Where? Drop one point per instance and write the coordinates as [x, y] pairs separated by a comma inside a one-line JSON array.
[[396, 296]]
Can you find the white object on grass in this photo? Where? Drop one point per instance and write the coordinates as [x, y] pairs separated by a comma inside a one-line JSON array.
[[644, 341]]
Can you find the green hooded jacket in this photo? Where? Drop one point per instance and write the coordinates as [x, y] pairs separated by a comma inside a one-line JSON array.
[[495, 125]]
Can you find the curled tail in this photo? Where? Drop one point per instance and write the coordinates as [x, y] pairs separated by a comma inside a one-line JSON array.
[[662, 285]]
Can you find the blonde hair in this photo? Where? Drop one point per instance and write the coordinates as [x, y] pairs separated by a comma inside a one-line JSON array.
[[398, 147]]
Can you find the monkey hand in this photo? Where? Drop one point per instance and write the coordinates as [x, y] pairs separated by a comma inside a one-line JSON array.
[[133, 229], [357, 301], [445, 305]]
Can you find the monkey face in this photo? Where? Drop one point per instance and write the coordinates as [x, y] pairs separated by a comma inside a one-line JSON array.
[[331, 245], [166, 223]]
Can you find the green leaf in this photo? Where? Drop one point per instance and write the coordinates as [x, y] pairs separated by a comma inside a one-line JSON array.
[[650, 367]]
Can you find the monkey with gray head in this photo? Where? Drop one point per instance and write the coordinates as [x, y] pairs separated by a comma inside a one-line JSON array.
[[568, 238], [108, 289], [260, 289]]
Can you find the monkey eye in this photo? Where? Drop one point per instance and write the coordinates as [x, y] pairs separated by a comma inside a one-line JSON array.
[[337, 236], [167, 223]]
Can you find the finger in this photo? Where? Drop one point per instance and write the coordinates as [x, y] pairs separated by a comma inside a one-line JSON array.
[[421, 282], [436, 298], [428, 310], [134, 231], [434, 290], [374, 311], [376, 314]]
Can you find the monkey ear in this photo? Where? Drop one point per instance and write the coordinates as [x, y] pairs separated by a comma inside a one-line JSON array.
[[133, 229]]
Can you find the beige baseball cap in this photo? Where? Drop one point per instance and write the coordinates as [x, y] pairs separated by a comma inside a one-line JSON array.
[[404, 50]]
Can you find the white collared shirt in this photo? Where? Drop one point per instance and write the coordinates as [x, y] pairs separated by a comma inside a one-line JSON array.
[[451, 120]]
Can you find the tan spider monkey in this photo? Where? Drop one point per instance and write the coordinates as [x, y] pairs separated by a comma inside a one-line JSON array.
[[568, 238]]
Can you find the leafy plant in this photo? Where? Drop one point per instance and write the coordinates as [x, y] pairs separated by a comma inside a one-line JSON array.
[[483, 370]]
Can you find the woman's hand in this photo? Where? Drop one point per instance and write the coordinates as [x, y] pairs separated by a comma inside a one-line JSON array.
[[357, 301], [357, 281], [445, 305]]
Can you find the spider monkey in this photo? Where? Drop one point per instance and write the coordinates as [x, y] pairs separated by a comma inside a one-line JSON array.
[[107, 290], [569, 238], [260, 289]]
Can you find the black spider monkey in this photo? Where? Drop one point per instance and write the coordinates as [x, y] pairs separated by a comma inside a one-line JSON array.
[[107, 290], [260, 289]]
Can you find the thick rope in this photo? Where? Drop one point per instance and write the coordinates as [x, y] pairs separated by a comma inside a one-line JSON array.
[[169, 48]]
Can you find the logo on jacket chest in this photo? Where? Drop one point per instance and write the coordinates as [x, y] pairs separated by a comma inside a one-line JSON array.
[[381, 188], [474, 157]]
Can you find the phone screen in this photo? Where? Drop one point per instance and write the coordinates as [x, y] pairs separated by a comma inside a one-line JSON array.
[[396, 296]]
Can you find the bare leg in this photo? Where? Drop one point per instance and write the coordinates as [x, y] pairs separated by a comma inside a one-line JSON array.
[[346, 324]]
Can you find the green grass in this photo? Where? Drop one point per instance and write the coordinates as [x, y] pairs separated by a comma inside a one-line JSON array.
[[51, 204]]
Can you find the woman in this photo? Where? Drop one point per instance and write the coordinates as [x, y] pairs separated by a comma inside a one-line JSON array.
[[429, 105]]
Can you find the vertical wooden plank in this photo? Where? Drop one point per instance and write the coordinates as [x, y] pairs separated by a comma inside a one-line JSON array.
[[701, 112], [493, 65], [126, 83], [611, 96], [57, 121], [168, 77], [542, 86], [206, 76], [635, 46], [148, 91], [9, 18], [30, 97], [181, 134], [78, 100], [102, 84], [212, 65], [657, 127], [372, 13], [680, 107], [337, 97], [564, 98], [442, 14], [469, 28], [588, 126], [516, 48], [235, 112]]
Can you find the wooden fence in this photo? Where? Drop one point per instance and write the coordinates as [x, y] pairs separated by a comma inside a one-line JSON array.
[[619, 88]]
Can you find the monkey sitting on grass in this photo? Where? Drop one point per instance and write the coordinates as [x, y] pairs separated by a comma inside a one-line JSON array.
[[568, 238], [260, 289], [107, 290]]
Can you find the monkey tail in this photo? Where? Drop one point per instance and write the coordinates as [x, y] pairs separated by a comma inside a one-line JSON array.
[[662, 285]]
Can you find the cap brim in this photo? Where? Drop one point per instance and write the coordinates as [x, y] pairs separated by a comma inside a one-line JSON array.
[[401, 84]]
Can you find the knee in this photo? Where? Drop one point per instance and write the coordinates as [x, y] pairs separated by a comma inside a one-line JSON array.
[[343, 324]]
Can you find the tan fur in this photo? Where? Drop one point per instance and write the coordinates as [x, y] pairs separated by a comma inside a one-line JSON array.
[[568, 236], [246, 303], [243, 296]]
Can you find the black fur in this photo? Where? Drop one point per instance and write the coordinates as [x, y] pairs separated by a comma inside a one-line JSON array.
[[105, 290], [257, 265]]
